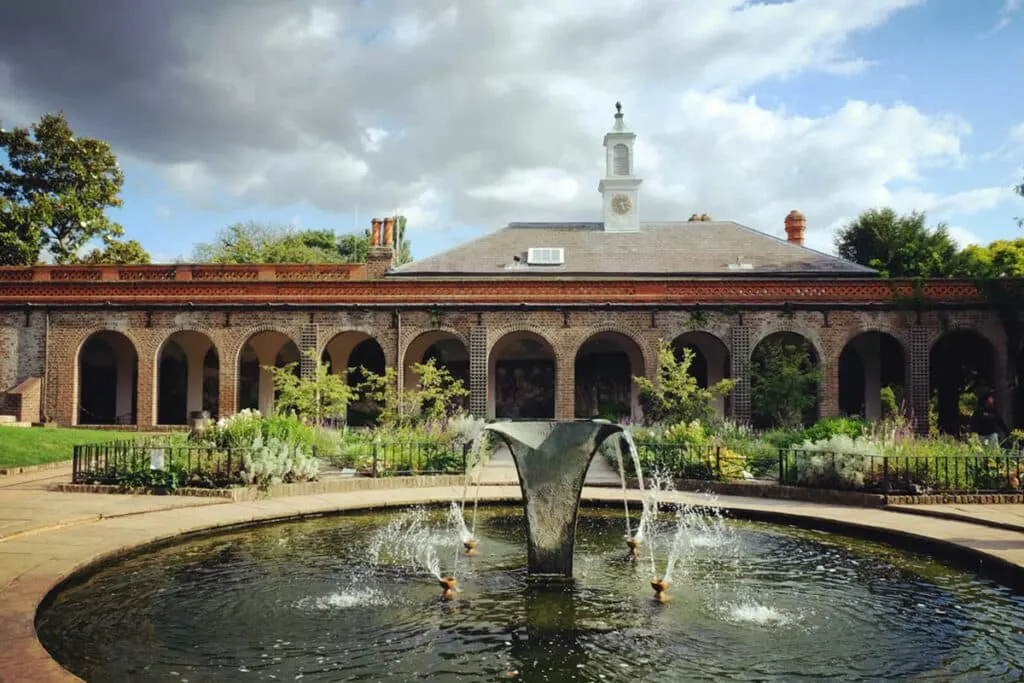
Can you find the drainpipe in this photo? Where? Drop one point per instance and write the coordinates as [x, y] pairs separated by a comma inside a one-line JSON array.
[[398, 360], [44, 413]]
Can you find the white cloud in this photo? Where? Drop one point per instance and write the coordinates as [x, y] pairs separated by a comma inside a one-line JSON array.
[[1017, 132], [962, 236], [1006, 12], [530, 186], [478, 113]]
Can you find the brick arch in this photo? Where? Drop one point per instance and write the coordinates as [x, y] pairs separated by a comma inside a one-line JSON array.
[[647, 348], [812, 338], [869, 392], [158, 344], [409, 337], [640, 351], [324, 337], [229, 378], [494, 335], [237, 342], [996, 340], [563, 379], [902, 335], [206, 332], [78, 342]]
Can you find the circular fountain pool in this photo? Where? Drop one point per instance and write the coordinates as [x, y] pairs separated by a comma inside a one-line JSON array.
[[353, 598]]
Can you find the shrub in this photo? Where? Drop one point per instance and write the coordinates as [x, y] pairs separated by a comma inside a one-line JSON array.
[[275, 461]]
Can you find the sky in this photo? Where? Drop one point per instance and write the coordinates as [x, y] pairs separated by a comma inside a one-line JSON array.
[[465, 115]]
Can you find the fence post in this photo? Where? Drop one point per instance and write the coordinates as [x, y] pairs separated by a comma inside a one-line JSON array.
[[75, 455], [718, 461], [782, 468], [465, 455], [373, 471]]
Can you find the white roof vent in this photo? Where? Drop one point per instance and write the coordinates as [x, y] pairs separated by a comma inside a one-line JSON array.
[[545, 256], [740, 265]]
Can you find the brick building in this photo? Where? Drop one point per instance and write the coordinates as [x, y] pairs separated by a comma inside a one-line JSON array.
[[540, 320]]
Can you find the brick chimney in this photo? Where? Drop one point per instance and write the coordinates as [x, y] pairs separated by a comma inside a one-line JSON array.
[[375, 232], [381, 255], [796, 227]]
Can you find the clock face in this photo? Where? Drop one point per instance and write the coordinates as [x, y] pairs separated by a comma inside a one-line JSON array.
[[621, 204]]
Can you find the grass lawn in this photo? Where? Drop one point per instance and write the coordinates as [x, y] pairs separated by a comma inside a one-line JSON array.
[[20, 446]]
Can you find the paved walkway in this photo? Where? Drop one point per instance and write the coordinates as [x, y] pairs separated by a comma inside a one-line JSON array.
[[45, 536]]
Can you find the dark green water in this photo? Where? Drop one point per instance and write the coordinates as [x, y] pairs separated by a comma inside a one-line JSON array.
[[303, 601]]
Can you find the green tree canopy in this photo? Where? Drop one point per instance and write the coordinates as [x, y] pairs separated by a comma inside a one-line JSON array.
[[254, 242], [115, 251], [1019, 189], [675, 395], [1002, 258], [897, 246], [260, 243], [783, 384], [54, 192]]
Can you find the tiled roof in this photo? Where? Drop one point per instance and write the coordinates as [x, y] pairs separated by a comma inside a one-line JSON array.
[[712, 248]]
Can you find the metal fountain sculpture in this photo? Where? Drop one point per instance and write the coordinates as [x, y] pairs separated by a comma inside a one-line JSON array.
[[552, 459]]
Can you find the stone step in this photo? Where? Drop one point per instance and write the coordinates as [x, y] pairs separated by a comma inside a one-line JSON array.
[[14, 423], [7, 419]]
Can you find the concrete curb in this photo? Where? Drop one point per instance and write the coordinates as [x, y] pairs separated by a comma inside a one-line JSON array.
[[29, 469]]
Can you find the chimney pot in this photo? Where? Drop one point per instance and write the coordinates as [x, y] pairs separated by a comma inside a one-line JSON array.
[[375, 232], [796, 227], [389, 232]]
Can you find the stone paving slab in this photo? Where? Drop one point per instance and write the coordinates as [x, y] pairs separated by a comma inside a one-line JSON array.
[[1003, 516]]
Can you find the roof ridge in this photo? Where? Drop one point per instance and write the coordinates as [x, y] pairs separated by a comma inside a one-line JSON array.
[[835, 259]]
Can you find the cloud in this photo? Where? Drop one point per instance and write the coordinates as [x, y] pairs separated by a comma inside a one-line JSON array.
[[1017, 132], [963, 237], [1006, 12], [478, 112]]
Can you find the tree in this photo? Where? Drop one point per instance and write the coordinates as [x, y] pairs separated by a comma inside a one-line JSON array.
[[353, 248], [1019, 189], [403, 249], [319, 396], [1000, 259], [54, 192], [260, 243], [675, 395], [115, 251], [437, 394], [783, 384], [897, 246]]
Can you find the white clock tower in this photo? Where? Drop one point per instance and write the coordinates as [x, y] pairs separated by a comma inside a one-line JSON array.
[[620, 188]]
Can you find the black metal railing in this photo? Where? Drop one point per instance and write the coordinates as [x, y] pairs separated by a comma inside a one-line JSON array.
[[401, 458], [138, 462], [968, 473], [677, 460]]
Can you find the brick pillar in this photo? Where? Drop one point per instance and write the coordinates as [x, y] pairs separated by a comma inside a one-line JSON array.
[[227, 383], [308, 340], [739, 359], [478, 371], [919, 380], [146, 394], [828, 388], [565, 388]]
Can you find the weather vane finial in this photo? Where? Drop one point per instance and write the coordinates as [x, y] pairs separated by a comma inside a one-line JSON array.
[[618, 108]]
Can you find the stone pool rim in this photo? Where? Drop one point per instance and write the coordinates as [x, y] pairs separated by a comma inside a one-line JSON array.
[[24, 656]]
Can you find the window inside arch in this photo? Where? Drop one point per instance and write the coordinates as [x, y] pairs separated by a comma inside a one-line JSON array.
[[620, 159]]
